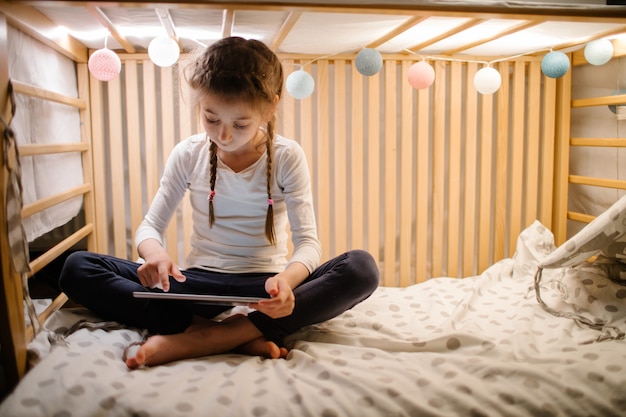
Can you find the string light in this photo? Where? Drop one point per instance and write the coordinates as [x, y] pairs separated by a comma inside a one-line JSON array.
[[163, 51], [104, 64], [368, 62], [555, 64], [420, 75], [300, 84]]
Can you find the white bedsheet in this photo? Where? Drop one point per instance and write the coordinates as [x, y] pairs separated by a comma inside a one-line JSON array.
[[39, 121], [480, 346]]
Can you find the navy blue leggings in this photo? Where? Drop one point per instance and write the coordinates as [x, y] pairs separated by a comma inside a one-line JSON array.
[[105, 285]]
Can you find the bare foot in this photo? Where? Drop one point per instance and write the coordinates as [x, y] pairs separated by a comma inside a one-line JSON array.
[[201, 339], [263, 347]]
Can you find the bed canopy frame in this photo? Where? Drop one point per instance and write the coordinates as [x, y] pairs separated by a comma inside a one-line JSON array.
[[414, 213]]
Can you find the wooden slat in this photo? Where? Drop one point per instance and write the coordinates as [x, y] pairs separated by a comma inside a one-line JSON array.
[[51, 254], [406, 180], [502, 165], [598, 182], [486, 196], [357, 185], [100, 170], [373, 181], [516, 166], [33, 149], [547, 150], [533, 112], [471, 179], [339, 158], [150, 128], [56, 304], [38, 92], [187, 128], [389, 192], [599, 142], [580, 217], [82, 75], [454, 150], [439, 165], [599, 101], [133, 149], [423, 232], [116, 167], [166, 126], [561, 164], [44, 203], [322, 169]]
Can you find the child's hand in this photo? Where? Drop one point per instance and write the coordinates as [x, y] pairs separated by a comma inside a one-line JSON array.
[[282, 301], [156, 270]]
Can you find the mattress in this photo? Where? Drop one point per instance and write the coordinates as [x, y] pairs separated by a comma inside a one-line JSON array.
[[478, 346]]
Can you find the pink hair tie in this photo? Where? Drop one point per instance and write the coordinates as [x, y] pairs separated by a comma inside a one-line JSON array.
[[211, 195], [270, 201]]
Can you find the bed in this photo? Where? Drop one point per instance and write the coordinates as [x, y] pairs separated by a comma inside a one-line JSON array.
[[496, 220], [480, 346]]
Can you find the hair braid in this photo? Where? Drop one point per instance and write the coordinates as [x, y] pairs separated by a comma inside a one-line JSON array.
[[213, 175], [270, 231]]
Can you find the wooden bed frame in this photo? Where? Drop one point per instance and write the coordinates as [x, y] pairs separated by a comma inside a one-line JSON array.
[[397, 195]]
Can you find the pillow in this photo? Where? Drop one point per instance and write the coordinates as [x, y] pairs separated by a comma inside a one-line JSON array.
[[601, 232]]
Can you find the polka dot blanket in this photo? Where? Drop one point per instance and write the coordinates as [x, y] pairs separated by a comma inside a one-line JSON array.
[[478, 346]]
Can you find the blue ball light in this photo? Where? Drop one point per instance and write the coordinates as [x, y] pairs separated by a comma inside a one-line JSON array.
[[369, 62], [300, 84], [555, 64]]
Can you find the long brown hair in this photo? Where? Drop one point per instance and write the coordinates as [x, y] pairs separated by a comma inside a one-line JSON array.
[[239, 69]]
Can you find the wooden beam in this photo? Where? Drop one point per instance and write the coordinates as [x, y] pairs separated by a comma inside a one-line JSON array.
[[106, 22], [31, 21], [458, 29], [228, 20], [284, 30], [516, 28]]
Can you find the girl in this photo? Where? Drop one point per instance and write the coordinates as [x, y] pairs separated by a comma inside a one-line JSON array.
[[245, 184]]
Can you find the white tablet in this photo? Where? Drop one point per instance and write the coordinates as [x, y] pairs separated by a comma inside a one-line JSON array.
[[199, 298]]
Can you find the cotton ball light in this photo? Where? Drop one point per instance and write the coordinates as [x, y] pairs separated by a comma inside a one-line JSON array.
[[555, 64], [163, 51], [599, 52], [300, 84], [421, 75], [613, 107], [369, 62], [487, 80], [104, 64]]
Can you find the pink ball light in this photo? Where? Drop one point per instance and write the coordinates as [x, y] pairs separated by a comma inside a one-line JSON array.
[[104, 64], [421, 75]]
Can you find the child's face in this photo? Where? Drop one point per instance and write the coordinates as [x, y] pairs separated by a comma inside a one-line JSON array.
[[232, 125]]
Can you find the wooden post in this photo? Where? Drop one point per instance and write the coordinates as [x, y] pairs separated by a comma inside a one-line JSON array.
[[12, 325]]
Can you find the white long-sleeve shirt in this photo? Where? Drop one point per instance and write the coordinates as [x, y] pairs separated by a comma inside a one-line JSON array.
[[237, 243]]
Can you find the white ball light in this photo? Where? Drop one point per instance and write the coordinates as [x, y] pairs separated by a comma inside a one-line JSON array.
[[421, 75], [555, 64], [300, 84], [599, 52], [163, 51], [487, 80], [369, 62], [104, 64]]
